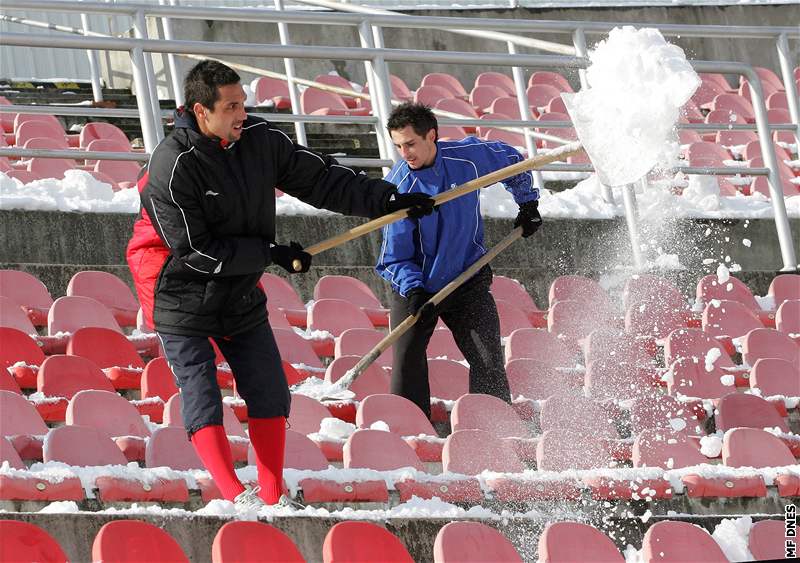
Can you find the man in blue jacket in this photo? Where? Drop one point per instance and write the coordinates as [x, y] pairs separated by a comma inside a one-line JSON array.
[[420, 256]]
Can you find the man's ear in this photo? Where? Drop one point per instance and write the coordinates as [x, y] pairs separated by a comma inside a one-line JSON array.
[[199, 109], [431, 135]]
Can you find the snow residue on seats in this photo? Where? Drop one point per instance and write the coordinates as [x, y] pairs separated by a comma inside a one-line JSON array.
[[61, 507], [316, 388], [732, 536], [712, 356], [711, 445]]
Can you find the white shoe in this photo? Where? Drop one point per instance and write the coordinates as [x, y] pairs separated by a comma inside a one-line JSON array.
[[249, 499], [286, 502]]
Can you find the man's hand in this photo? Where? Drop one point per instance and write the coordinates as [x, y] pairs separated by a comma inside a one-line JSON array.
[[284, 256], [418, 204], [418, 302], [528, 218]]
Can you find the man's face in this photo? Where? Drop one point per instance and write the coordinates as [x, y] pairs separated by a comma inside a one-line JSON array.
[[225, 121], [418, 151]]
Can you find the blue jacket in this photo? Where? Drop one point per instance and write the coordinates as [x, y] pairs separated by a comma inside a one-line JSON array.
[[432, 251]]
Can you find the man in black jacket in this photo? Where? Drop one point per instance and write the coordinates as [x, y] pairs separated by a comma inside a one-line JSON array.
[[205, 233]]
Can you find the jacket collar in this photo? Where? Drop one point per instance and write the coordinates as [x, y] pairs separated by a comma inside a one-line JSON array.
[[186, 120], [434, 169]]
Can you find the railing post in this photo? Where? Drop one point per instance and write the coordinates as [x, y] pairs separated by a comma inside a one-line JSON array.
[[632, 221], [525, 113], [294, 94], [176, 78], [379, 94], [94, 63], [774, 179], [147, 116], [384, 89], [784, 57], [149, 86]]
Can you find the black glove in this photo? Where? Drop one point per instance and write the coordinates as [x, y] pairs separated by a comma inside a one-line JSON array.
[[528, 218], [284, 256], [418, 303], [417, 204]]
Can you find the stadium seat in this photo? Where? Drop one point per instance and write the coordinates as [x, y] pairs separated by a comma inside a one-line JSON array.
[[109, 290], [22, 425], [20, 356], [363, 542], [21, 118], [450, 133], [735, 104], [272, 89], [233, 428], [320, 102], [729, 138], [158, 380], [725, 320], [36, 129], [169, 447], [753, 150], [111, 352], [664, 412], [471, 452], [472, 542], [767, 540], [358, 342], [123, 172], [536, 380], [281, 294], [339, 82], [539, 96], [605, 344], [777, 100], [429, 95], [9, 455], [69, 313], [353, 291], [12, 315], [783, 287], [297, 351], [133, 541], [551, 79], [306, 414], [742, 410], [687, 137], [718, 79], [671, 541], [498, 80], [50, 167], [610, 378], [334, 316], [768, 343], [460, 107], [443, 345], [773, 376], [568, 542], [767, 75], [379, 450], [98, 130], [691, 378], [578, 288], [562, 450], [666, 449], [558, 411], [693, 343], [494, 134], [81, 446], [507, 106], [23, 541], [511, 317], [482, 97], [400, 89], [543, 346], [22, 175], [63, 376], [299, 453], [373, 380], [405, 419], [446, 81], [47, 143], [113, 415], [654, 319], [575, 320], [513, 291], [493, 415], [706, 154], [448, 380], [8, 382], [557, 105], [787, 318], [754, 447], [647, 288], [240, 541]]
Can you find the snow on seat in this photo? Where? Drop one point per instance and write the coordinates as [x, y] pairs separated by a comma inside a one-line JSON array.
[[511, 317], [109, 290], [611, 344], [562, 449], [373, 380], [543, 346], [335, 316], [472, 542], [28, 292], [666, 449], [353, 291], [767, 540], [405, 419], [22, 425], [448, 380], [84, 446], [514, 292], [654, 319], [110, 413], [12, 315], [769, 343], [360, 341], [693, 378], [692, 343], [729, 288], [568, 542], [134, 541], [111, 352], [476, 411], [611, 378], [784, 287], [251, 541], [536, 380], [773, 376], [787, 319], [20, 356], [157, 382], [727, 320], [670, 541], [297, 351], [443, 345], [742, 410], [575, 320], [665, 412], [60, 377], [23, 541], [363, 542], [280, 293]]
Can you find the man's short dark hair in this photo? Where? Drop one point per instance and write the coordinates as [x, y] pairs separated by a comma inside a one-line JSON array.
[[203, 81], [420, 118]]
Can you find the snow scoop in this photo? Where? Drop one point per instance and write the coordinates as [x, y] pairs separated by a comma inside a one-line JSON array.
[[490, 179], [347, 379]]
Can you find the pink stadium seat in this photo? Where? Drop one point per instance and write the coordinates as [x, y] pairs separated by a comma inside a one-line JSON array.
[[693, 343], [718, 79], [690, 378], [267, 88], [609, 344], [298, 352], [48, 143], [448, 380], [482, 97], [666, 449], [111, 352], [773, 376], [687, 137], [767, 540], [493, 415], [306, 414], [24, 176], [373, 380], [669, 541], [64, 376], [470, 452], [50, 167], [654, 319], [168, 447], [767, 75], [511, 317], [558, 412], [8, 382], [107, 145], [100, 130], [761, 185], [442, 345], [562, 450], [123, 172], [400, 89], [458, 106], [339, 82], [543, 346], [647, 288], [354, 291], [23, 541], [81, 446], [707, 154], [19, 348], [567, 542], [450, 133], [172, 417], [36, 128], [113, 415], [12, 315], [769, 343], [446, 81], [405, 419], [364, 542], [358, 342], [513, 291], [23, 426], [729, 319], [780, 116], [158, 381], [742, 410], [539, 95], [133, 541], [9, 455], [610, 378], [767, 88], [379, 450], [507, 137], [507, 106], [498, 80], [736, 104], [336, 316], [300, 453], [69, 313], [787, 318], [281, 293], [753, 150], [753, 447], [21, 118], [429, 95], [253, 541], [777, 100], [536, 380], [557, 105], [575, 320], [577, 288], [783, 287], [567, 133], [319, 102], [663, 412], [472, 542], [551, 79], [735, 138]]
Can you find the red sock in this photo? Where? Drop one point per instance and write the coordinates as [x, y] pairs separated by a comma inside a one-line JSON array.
[[268, 436], [214, 450]]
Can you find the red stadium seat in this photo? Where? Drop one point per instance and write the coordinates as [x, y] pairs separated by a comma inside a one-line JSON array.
[[665, 449], [9, 455], [173, 417], [22, 425], [19, 348], [400, 89], [753, 150], [36, 128], [767, 90], [450, 133], [753, 447], [8, 382], [735, 104], [498, 80], [98, 130], [511, 317], [363, 542], [543, 346], [253, 541], [735, 138], [577, 288], [280, 293], [742, 410], [690, 378], [557, 105], [493, 415], [718, 79], [458, 106], [373, 380], [575, 320], [693, 343], [446, 81], [605, 344], [773, 376], [405, 419], [536, 380], [169, 447], [335, 316], [729, 319], [777, 100], [379, 450], [448, 380], [24, 176], [670, 541], [539, 95], [494, 134], [12, 315], [133, 541], [23, 541], [707, 154], [471, 452], [783, 287], [513, 291], [443, 345], [562, 450], [472, 542], [307, 414], [109, 290], [339, 82], [663, 412], [787, 318], [610, 378], [111, 352], [482, 97], [297, 351], [506, 106], [654, 319], [353, 291], [267, 88], [429, 95], [559, 411], [158, 380], [69, 313], [320, 102], [123, 172], [706, 93], [81, 446], [50, 167], [767, 540], [768, 343], [300, 453], [358, 342], [63, 376], [567, 542], [48, 143], [550, 78]]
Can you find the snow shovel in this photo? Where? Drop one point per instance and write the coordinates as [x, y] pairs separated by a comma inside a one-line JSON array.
[[351, 375]]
